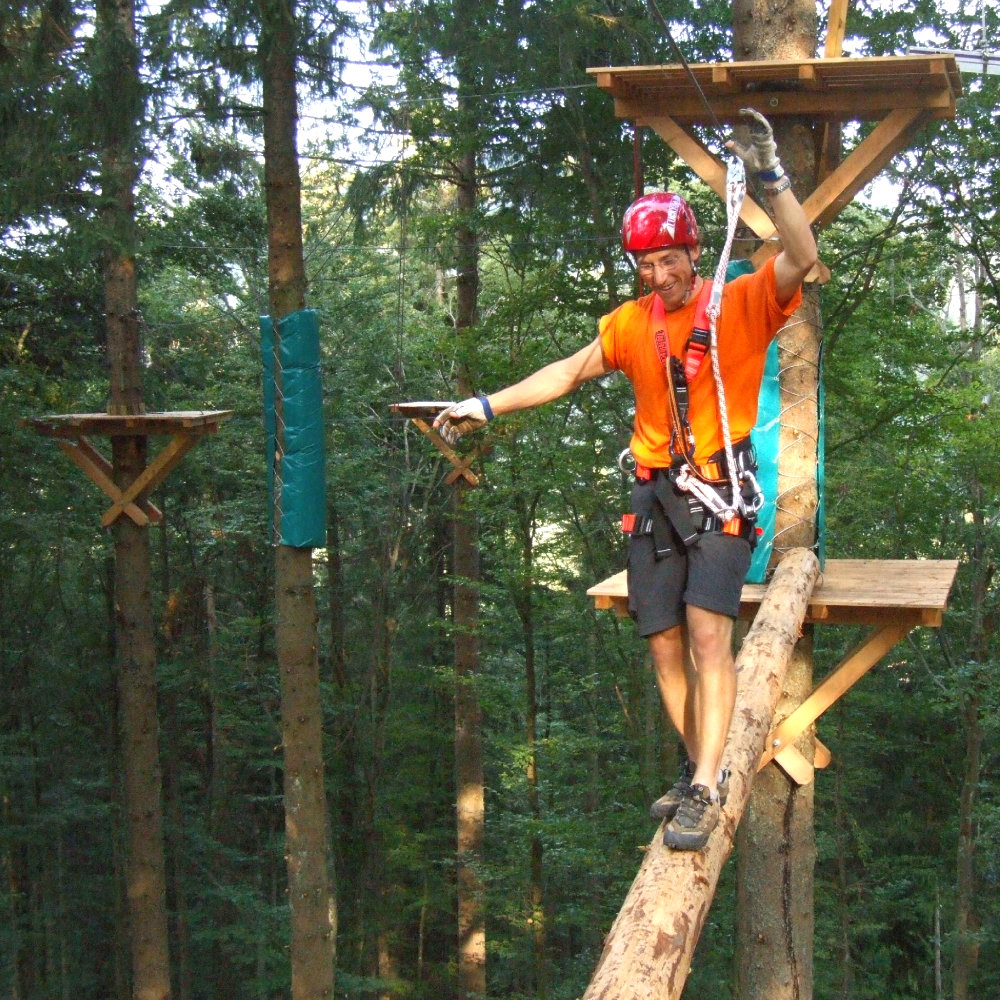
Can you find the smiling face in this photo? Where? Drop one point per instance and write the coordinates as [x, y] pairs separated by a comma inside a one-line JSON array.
[[670, 272]]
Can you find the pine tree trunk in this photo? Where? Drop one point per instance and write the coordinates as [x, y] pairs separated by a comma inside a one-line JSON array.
[[313, 912], [776, 843], [470, 804], [536, 893], [470, 800], [117, 72], [966, 919]]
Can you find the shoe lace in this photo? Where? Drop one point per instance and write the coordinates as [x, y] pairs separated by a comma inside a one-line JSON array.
[[692, 809]]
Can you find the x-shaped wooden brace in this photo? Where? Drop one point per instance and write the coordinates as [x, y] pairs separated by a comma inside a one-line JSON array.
[[837, 189], [852, 668], [462, 465], [129, 500]]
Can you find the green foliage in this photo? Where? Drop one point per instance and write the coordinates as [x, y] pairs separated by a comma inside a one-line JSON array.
[[911, 389]]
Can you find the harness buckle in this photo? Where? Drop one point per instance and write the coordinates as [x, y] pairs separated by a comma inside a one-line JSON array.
[[708, 496]]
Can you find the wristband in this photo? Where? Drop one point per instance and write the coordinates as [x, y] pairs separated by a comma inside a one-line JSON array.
[[772, 175], [487, 409], [773, 192]]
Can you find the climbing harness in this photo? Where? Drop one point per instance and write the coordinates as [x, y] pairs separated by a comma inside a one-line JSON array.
[[723, 495]]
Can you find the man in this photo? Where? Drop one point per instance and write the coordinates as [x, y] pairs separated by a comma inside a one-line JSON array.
[[685, 566]]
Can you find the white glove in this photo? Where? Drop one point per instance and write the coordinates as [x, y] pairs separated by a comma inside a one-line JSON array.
[[761, 156], [460, 418]]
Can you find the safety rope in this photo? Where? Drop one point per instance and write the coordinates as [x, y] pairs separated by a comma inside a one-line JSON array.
[[736, 189]]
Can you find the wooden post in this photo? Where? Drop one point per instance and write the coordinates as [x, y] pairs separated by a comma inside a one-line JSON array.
[[648, 951]]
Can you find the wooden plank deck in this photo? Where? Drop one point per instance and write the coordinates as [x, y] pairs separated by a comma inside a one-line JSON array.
[[74, 425], [849, 592], [831, 89]]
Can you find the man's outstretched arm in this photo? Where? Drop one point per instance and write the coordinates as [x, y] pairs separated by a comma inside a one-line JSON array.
[[543, 386]]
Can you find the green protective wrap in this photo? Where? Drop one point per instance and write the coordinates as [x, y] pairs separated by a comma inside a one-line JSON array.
[[765, 436], [302, 481], [766, 441]]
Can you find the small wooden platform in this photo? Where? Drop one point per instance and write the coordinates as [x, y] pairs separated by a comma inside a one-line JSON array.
[[184, 428], [839, 89], [72, 425], [893, 595], [849, 592]]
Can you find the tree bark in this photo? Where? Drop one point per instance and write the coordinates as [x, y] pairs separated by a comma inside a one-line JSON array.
[[523, 601], [470, 802], [470, 809], [648, 952], [117, 76], [966, 918], [776, 841], [313, 910]]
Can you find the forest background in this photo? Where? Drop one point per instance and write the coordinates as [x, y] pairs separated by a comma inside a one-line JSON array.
[[908, 814]]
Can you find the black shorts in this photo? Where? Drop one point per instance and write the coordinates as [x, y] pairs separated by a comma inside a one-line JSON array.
[[708, 574]]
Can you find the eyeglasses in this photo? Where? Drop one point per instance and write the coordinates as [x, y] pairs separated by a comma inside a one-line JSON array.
[[671, 263]]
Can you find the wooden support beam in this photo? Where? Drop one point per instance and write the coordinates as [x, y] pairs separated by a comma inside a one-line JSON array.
[[850, 670], [462, 465], [99, 470], [865, 161], [648, 951], [709, 169], [836, 24], [185, 428], [150, 477]]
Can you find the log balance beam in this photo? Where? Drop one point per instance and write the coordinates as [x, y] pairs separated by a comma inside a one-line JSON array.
[[648, 951]]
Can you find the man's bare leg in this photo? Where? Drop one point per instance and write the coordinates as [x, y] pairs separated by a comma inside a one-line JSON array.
[[675, 681], [710, 635]]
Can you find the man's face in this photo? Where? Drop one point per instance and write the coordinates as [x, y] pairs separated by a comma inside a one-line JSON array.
[[670, 273]]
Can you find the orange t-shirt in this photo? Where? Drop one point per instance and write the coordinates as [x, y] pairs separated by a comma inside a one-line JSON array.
[[749, 319]]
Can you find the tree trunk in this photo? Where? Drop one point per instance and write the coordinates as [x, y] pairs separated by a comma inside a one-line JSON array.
[[648, 952], [470, 802], [523, 601], [777, 841], [966, 918], [313, 912], [117, 74], [470, 811]]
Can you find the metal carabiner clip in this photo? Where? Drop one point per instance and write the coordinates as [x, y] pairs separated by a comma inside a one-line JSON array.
[[758, 494], [626, 461]]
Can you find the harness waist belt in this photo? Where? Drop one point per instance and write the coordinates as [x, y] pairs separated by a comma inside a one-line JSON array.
[[711, 470]]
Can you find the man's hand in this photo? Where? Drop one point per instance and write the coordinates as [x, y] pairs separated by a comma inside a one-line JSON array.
[[761, 156], [460, 418]]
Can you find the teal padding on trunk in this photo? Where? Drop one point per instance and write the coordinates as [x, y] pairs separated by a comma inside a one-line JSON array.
[[766, 436], [303, 469], [821, 469]]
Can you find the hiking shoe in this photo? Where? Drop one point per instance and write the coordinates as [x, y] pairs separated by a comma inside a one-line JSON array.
[[693, 822], [666, 805]]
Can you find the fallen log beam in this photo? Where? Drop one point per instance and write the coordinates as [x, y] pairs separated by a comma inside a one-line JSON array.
[[647, 953]]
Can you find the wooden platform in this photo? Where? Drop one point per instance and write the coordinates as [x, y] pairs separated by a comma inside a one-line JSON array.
[[840, 89], [893, 595], [849, 592], [183, 427], [72, 425]]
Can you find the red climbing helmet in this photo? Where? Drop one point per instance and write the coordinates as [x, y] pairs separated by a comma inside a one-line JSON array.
[[656, 220]]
